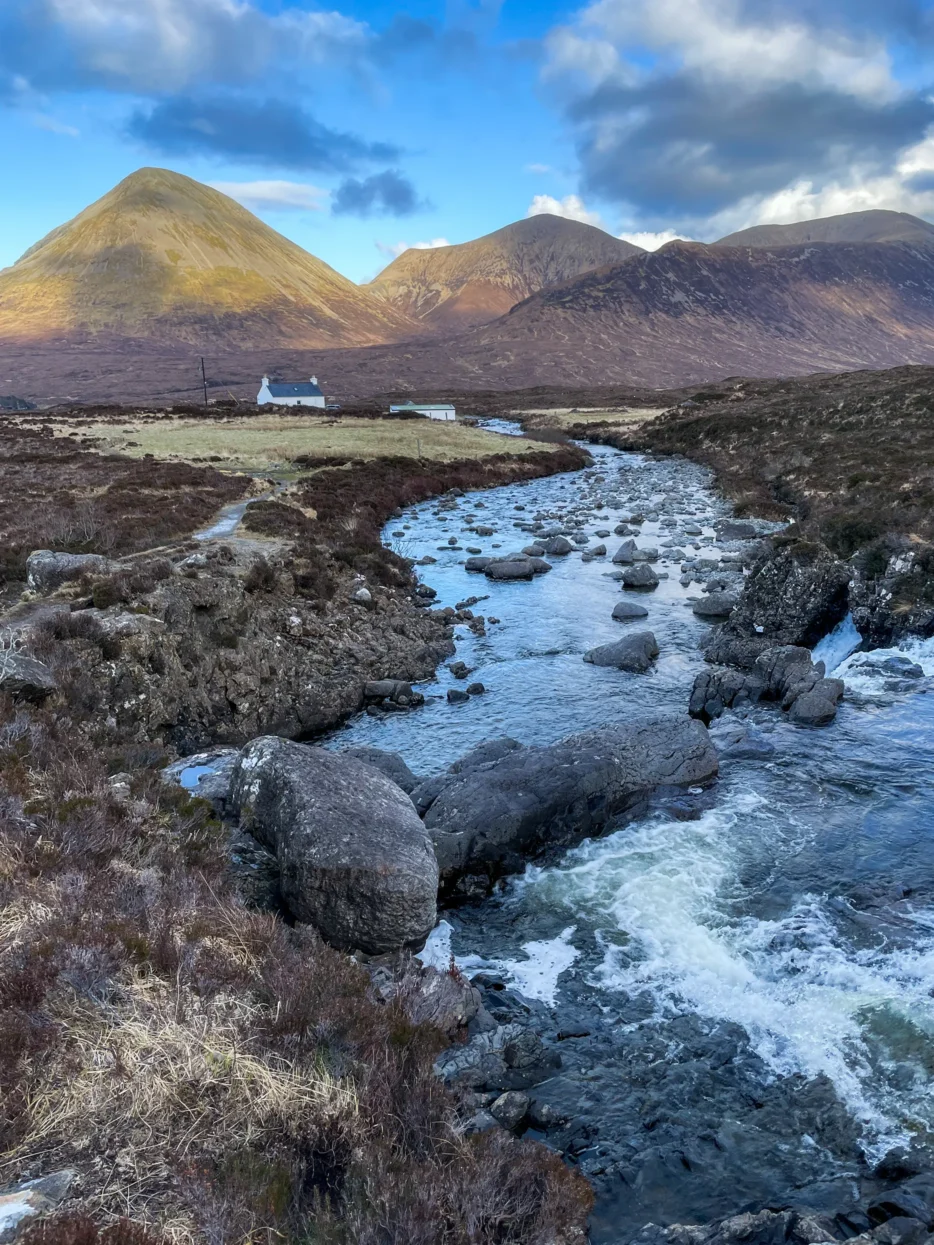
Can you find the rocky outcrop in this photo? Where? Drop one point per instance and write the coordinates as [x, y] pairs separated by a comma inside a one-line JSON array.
[[785, 673], [214, 652], [22, 1203], [794, 595], [491, 818], [634, 652], [47, 570], [355, 862], [25, 678]]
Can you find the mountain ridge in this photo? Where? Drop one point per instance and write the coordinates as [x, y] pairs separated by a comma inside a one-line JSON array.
[[455, 287], [874, 225]]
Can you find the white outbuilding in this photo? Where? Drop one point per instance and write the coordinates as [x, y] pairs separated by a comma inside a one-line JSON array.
[[304, 393], [431, 410]]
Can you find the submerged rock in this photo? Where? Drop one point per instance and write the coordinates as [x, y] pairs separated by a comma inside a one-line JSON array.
[[492, 818], [354, 859]]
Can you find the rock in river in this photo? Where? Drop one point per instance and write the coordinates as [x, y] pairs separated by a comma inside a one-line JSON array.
[[491, 818], [354, 859], [640, 576], [634, 652], [626, 611]]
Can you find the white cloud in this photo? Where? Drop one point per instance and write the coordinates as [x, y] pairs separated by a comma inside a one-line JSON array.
[[395, 249], [274, 195], [538, 168], [652, 241], [571, 207], [167, 45], [712, 39]]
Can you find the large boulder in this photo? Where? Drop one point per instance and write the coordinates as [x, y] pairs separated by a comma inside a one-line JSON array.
[[521, 569], [794, 596], [46, 570], [640, 576], [714, 605], [25, 678], [425, 794], [354, 859], [625, 554], [634, 652], [627, 611], [558, 545], [490, 819]]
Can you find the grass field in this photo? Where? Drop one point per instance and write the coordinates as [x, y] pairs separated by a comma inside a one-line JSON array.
[[267, 442], [567, 417]]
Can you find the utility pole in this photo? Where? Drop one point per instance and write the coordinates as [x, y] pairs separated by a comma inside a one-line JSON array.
[[204, 382]]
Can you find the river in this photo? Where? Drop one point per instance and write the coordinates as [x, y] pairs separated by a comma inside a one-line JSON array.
[[752, 979]]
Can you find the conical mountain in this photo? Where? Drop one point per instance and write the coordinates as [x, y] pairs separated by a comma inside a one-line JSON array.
[[162, 256], [454, 287], [876, 225]]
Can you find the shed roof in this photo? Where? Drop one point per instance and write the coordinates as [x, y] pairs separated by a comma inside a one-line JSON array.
[[305, 389]]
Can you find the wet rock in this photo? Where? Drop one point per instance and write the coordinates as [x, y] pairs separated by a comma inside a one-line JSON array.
[[534, 551], [493, 817], [785, 673], [477, 564], [817, 707], [459, 669], [627, 611], [641, 576], [734, 529], [715, 605], [389, 763], [598, 551], [509, 1057], [489, 751], [456, 696], [475, 689], [795, 596], [509, 570], [354, 859], [46, 570], [740, 741], [397, 690], [723, 688], [625, 554], [634, 652], [558, 545], [25, 678]]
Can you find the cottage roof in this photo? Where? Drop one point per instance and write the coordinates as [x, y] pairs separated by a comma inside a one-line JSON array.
[[305, 389]]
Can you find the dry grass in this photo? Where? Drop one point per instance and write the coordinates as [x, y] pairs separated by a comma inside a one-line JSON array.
[[265, 442]]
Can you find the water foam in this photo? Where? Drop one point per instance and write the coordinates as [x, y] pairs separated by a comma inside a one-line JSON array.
[[536, 975], [838, 644]]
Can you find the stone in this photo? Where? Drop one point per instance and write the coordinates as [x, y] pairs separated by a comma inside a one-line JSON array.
[[598, 551], [22, 1202], [492, 818], [714, 605], [456, 696], [641, 576], [509, 570], [817, 707], [625, 554], [558, 545], [477, 564], [389, 763], [734, 529], [430, 996], [510, 1109], [46, 570], [363, 596], [387, 689], [354, 859], [24, 677], [475, 689], [534, 551], [627, 611], [634, 652]]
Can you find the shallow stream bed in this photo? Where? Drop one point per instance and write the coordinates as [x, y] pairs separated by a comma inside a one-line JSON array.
[[751, 980]]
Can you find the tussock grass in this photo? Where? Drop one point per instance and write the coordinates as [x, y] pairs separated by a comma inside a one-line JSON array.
[[264, 442], [567, 418]]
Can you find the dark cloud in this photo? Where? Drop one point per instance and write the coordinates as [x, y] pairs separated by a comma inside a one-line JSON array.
[[268, 132], [387, 194], [683, 146], [852, 17]]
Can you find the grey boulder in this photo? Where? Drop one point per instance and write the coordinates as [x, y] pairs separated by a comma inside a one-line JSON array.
[[634, 652], [509, 570], [714, 605], [490, 819], [389, 763], [25, 678], [625, 554], [558, 545], [354, 859], [640, 576], [46, 570], [626, 611]]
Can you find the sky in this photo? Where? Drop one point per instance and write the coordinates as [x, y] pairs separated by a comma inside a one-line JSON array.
[[362, 129]]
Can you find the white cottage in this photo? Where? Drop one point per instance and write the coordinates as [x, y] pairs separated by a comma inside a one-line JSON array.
[[431, 410], [305, 393]]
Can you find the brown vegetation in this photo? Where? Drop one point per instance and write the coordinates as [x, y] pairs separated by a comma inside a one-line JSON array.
[[208, 1070]]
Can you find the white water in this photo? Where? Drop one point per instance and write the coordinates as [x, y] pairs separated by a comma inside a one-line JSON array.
[[838, 644], [536, 975]]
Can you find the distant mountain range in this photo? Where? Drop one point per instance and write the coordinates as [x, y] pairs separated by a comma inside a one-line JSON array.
[[162, 268], [453, 287]]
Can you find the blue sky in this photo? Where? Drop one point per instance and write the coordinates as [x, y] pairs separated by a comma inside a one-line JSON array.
[[362, 128]]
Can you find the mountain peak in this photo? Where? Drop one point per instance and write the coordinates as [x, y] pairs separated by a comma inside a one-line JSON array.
[[455, 287], [873, 225], [164, 256]]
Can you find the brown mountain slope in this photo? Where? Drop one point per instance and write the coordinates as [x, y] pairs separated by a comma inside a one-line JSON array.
[[454, 287], [164, 257], [873, 226]]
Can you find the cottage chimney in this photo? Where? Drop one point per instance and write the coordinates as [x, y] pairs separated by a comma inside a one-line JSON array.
[[265, 380], [314, 380]]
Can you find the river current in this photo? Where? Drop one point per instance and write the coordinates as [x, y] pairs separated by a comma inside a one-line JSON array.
[[753, 981]]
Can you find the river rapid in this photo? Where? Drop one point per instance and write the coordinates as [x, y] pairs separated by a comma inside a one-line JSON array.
[[750, 976]]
